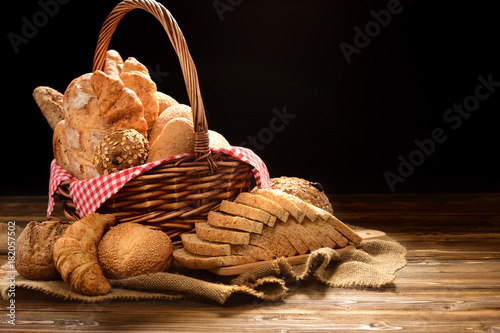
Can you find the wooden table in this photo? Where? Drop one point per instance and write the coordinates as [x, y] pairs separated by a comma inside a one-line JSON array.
[[451, 282]]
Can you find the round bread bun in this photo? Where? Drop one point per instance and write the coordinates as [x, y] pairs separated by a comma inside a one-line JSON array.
[[308, 191], [131, 249]]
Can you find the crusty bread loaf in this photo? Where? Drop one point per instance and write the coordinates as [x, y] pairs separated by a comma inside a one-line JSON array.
[[248, 212], [214, 234], [194, 244], [135, 76], [131, 249], [218, 219], [260, 202], [195, 261], [34, 250], [94, 105]]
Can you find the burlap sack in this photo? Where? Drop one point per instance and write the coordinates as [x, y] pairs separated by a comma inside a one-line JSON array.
[[373, 264]]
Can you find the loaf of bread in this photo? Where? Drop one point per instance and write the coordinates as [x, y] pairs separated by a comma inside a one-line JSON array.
[[34, 250], [241, 231], [96, 104], [131, 249]]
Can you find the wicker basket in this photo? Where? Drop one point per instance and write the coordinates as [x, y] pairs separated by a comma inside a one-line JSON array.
[[180, 192]]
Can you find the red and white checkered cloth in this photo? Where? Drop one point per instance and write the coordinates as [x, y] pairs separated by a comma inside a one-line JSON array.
[[88, 195]]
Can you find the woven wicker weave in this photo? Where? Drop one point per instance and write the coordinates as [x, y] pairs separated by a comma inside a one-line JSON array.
[[178, 193]]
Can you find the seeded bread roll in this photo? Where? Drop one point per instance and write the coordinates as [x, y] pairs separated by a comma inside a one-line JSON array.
[[120, 150], [131, 249]]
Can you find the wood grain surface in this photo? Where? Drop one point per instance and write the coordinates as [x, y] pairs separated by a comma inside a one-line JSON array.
[[450, 284]]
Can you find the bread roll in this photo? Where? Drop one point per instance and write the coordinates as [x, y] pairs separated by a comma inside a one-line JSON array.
[[164, 102], [131, 249], [173, 112], [34, 255]]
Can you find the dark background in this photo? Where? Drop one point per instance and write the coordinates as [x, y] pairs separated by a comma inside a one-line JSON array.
[[352, 120]]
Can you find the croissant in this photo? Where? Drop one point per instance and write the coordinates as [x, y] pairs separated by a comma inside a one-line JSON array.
[[75, 254]]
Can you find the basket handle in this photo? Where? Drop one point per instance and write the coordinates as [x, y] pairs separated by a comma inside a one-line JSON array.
[[201, 137]]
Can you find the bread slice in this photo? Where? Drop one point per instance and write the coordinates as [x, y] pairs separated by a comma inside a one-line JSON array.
[[194, 244], [218, 219], [318, 234], [248, 212], [214, 234], [266, 243], [330, 231], [306, 207], [291, 233], [283, 201], [196, 261], [258, 253], [278, 237], [350, 234], [263, 203], [305, 235]]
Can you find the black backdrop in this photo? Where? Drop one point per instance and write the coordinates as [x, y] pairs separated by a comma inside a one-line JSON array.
[[347, 93]]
